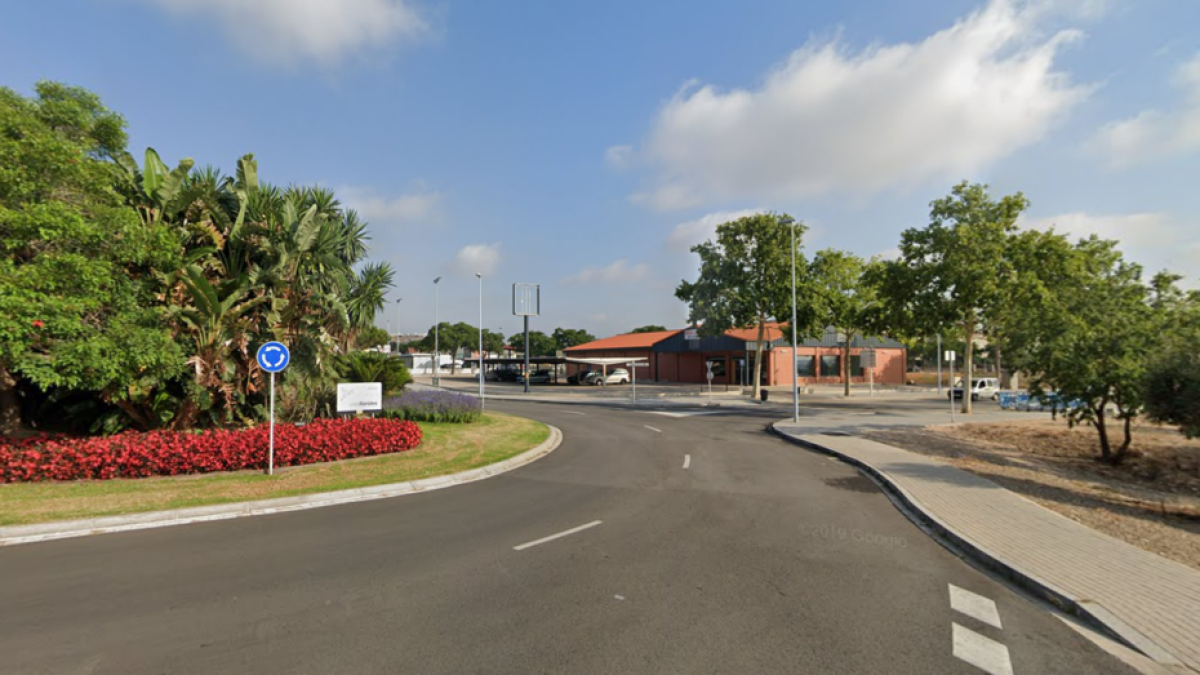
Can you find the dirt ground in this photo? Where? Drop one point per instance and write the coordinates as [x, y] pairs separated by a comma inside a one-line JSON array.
[[1152, 500]]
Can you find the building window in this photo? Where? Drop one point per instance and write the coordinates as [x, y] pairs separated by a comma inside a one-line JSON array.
[[717, 365], [831, 366], [855, 365], [806, 366]]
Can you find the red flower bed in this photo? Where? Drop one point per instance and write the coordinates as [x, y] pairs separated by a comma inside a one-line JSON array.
[[170, 453]]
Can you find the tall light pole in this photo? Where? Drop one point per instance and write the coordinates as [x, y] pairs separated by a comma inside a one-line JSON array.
[[480, 278], [397, 336], [795, 358], [437, 355]]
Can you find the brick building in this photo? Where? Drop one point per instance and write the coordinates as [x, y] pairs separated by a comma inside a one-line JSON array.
[[683, 356]]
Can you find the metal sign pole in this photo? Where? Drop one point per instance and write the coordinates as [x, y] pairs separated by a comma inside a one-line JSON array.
[[633, 379], [526, 353], [271, 451], [939, 363]]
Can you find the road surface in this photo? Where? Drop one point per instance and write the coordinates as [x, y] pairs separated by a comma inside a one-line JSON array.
[[647, 543]]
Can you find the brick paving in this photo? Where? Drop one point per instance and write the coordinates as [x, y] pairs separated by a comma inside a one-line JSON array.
[[1152, 602]]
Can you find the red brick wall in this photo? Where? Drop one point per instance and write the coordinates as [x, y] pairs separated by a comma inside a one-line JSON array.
[[890, 366]]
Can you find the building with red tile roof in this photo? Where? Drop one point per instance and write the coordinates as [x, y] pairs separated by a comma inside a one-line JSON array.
[[684, 356]]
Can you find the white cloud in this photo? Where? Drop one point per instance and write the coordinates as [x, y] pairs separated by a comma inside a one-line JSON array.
[[619, 155], [829, 119], [477, 259], [686, 235], [421, 207], [618, 272], [1152, 134], [321, 31]]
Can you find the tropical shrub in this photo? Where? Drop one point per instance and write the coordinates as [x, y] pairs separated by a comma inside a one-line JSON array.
[[433, 406], [374, 367], [169, 453]]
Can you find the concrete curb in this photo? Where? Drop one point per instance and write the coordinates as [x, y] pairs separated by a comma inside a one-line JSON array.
[[1095, 615], [28, 534]]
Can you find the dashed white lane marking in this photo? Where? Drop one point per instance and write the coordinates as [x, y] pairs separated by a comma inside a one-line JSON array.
[[687, 461], [974, 605], [552, 537], [573, 412], [694, 413], [984, 653], [652, 428]]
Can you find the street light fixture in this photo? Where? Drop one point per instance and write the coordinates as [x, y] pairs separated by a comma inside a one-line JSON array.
[[481, 399], [398, 331], [787, 220], [437, 355]]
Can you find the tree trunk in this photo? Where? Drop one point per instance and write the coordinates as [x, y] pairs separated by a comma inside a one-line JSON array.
[[967, 366], [1128, 440], [846, 362], [185, 418], [10, 403], [141, 421], [1102, 429], [999, 367], [758, 360]]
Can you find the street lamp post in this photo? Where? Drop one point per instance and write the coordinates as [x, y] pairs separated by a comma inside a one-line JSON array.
[[481, 399], [795, 358], [396, 337], [437, 355]]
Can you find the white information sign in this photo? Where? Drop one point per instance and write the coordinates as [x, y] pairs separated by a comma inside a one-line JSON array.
[[359, 396], [950, 356], [691, 334]]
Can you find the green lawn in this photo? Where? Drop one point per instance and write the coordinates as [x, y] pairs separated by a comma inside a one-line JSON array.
[[445, 449]]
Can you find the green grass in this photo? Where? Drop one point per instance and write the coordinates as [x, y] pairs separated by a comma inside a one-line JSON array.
[[446, 448]]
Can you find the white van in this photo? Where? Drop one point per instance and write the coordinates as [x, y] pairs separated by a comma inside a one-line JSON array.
[[983, 387]]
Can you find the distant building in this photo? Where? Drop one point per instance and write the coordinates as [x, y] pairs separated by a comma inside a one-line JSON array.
[[683, 356]]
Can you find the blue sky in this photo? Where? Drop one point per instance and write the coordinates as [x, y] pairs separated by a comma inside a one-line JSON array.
[[586, 147]]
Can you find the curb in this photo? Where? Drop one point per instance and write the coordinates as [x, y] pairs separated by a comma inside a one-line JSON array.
[[28, 534], [1082, 608]]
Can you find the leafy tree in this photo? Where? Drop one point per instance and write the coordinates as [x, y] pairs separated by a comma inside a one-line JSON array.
[[953, 272], [652, 328], [1173, 374], [565, 338], [745, 279], [450, 339], [76, 282], [493, 343], [838, 286], [371, 337], [540, 344], [1086, 331]]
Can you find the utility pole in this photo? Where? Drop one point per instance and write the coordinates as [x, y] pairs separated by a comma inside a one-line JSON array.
[[480, 277]]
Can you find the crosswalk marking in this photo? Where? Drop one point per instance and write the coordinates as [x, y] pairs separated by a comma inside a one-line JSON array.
[[974, 605], [982, 652]]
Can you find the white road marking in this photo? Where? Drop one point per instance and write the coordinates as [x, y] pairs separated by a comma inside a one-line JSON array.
[[572, 412], [687, 461], [683, 414], [974, 605], [619, 597], [652, 428], [982, 652], [552, 537]]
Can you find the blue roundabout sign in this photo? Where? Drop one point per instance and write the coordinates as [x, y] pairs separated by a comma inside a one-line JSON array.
[[273, 357]]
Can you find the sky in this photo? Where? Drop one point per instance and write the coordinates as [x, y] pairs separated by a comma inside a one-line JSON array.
[[586, 147]]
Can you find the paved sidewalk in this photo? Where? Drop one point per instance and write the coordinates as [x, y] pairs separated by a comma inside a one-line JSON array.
[[1150, 602]]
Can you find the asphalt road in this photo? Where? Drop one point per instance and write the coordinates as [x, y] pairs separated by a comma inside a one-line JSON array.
[[758, 557]]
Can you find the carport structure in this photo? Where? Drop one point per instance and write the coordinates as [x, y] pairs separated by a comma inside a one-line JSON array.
[[605, 362]]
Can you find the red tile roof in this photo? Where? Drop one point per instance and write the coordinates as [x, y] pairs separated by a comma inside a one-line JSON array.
[[627, 341], [771, 332]]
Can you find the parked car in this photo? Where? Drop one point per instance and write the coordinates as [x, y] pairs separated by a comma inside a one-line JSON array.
[[581, 377], [538, 377], [615, 376], [983, 387], [505, 374]]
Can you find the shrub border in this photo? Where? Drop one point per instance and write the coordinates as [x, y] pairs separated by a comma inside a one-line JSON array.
[[28, 534]]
